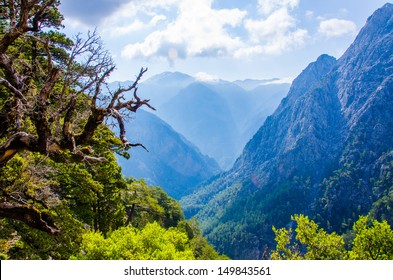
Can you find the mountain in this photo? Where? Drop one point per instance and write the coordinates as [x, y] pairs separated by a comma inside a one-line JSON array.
[[161, 88], [209, 114], [327, 152], [204, 117], [172, 161], [250, 84], [220, 117]]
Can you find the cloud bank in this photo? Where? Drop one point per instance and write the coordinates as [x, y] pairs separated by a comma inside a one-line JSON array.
[[336, 27], [180, 29]]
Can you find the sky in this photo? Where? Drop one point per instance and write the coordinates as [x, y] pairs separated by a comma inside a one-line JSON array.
[[226, 39]]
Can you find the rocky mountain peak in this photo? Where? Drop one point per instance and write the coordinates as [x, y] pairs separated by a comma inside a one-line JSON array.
[[323, 152], [311, 74]]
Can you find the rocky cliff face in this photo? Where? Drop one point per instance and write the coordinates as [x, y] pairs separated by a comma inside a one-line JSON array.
[[324, 152]]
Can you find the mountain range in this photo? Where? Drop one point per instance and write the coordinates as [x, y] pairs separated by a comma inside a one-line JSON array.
[[199, 128], [219, 117], [327, 152]]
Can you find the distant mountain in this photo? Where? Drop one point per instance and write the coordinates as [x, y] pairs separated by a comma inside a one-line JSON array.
[[208, 114], [203, 116], [219, 117], [161, 88], [172, 161], [230, 122], [327, 151], [250, 84]]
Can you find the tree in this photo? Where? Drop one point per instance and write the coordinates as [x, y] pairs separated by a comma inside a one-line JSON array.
[[316, 243], [150, 243], [53, 96], [373, 240]]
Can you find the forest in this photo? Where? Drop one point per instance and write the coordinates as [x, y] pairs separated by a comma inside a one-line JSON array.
[[62, 192]]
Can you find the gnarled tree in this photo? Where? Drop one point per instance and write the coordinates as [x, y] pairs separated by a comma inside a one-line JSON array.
[[53, 93]]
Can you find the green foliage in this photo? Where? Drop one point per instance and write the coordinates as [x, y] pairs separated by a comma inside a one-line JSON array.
[[284, 251], [95, 197], [373, 240], [146, 204], [200, 246], [318, 244], [153, 242]]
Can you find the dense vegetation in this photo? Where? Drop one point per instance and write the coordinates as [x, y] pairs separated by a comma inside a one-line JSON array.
[[62, 193], [369, 240], [93, 207]]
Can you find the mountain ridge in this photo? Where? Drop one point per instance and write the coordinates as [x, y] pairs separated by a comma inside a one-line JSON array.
[[237, 120], [324, 152]]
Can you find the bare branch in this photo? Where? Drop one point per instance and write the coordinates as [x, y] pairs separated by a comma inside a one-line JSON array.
[[14, 90], [49, 84], [67, 119], [117, 94], [39, 16], [122, 129], [10, 72], [17, 29]]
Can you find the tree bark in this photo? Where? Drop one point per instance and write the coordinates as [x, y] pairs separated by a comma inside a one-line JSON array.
[[29, 215]]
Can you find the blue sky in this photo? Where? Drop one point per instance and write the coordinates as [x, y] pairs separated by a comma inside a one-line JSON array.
[[225, 39]]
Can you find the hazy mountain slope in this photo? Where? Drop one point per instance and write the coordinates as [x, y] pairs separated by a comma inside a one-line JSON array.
[[326, 151], [161, 88], [172, 162], [220, 117], [203, 117]]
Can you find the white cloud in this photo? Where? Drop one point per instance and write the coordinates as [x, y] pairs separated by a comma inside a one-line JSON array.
[[76, 24], [157, 18], [198, 30], [286, 80], [136, 15], [205, 77], [276, 23], [266, 7], [309, 14], [122, 30], [117, 31], [336, 27], [275, 45], [194, 28], [276, 33]]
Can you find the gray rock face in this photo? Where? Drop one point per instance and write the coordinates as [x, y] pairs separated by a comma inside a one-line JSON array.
[[324, 152]]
